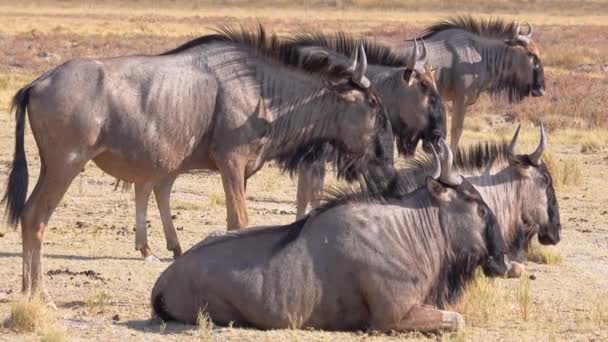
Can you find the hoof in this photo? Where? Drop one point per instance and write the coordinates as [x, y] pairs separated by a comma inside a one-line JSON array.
[[452, 321], [177, 251], [151, 259], [516, 270]]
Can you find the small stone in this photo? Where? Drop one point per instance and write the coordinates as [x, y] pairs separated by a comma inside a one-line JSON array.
[[532, 277], [116, 318]]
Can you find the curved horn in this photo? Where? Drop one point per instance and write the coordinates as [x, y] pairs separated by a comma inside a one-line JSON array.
[[516, 28], [536, 155], [447, 174], [359, 76], [436, 164], [514, 141], [530, 30], [421, 62], [353, 66]]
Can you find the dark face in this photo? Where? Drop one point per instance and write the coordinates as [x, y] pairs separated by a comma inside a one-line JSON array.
[[540, 209], [549, 234], [379, 152], [475, 234], [538, 77], [422, 113], [495, 263]]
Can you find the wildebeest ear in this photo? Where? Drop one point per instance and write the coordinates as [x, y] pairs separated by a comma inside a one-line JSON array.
[[408, 76], [522, 167], [436, 189]]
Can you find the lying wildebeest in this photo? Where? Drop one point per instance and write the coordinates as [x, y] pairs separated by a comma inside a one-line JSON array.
[[473, 56], [367, 260], [228, 102], [408, 91], [518, 189]]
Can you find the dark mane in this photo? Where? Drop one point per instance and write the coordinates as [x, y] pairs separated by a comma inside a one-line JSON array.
[[283, 51], [496, 28], [345, 44], [468, 159]]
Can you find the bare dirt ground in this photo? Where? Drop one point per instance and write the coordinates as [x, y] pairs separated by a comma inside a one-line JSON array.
[[101, 286]]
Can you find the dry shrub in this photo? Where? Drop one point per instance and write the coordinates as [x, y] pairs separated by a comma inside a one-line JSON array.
[[29, 316], [205, 326], [544, 255], [564, 172], [523, 297], [480, 301]]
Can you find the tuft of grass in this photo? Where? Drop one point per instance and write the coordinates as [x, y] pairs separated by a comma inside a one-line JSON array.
[[217, 199], [523, 297], [591, 144], [186, 205], [544, 255], [97, 303], [205, 326], [29, 316], [480, 301], [599, 312], [564, 172], [54, 336]]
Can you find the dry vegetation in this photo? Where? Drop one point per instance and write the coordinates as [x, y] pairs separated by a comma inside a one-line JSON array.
[[93, 227]]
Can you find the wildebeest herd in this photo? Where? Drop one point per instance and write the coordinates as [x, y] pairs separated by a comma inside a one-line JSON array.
[[389, 252]]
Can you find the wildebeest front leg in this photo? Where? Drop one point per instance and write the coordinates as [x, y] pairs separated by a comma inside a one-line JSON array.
[[142, 196], [233, 179], [428, 319], [162, 192], [310, 187], [458, 111]]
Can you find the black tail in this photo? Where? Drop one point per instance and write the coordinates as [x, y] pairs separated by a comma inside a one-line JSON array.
[[158, 305], [16, 190]]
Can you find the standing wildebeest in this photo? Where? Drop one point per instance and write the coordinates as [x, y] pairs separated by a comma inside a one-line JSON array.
[[368, 260], [475, 55], [227, 102], [408, 92], [518, 189]]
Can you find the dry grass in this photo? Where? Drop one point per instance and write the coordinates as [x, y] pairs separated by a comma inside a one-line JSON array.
[[54, 336], [564, 172], [524, 297], [217, 199], [205, 326], [98, 302], [480, 301], [29, 316], [544, 255]]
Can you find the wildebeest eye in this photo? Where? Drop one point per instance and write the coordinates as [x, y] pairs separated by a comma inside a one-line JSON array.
[[546, 179], [482, 211]]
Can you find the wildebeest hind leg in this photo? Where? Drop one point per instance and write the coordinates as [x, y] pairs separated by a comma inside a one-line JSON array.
[[424, 318], [304, 193], [142, 196], [162, 192], [52, 184]]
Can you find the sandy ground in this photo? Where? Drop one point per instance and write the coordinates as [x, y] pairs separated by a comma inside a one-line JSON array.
[[90, 257]]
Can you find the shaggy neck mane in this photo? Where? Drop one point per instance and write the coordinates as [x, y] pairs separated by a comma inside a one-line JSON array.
[[282, 51], [495, 28], [346, 44]]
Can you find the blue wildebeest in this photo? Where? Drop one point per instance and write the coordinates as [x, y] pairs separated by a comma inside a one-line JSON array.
[[518, 189], [367, 260], [408, 91], [227, 102], [473, 56]]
